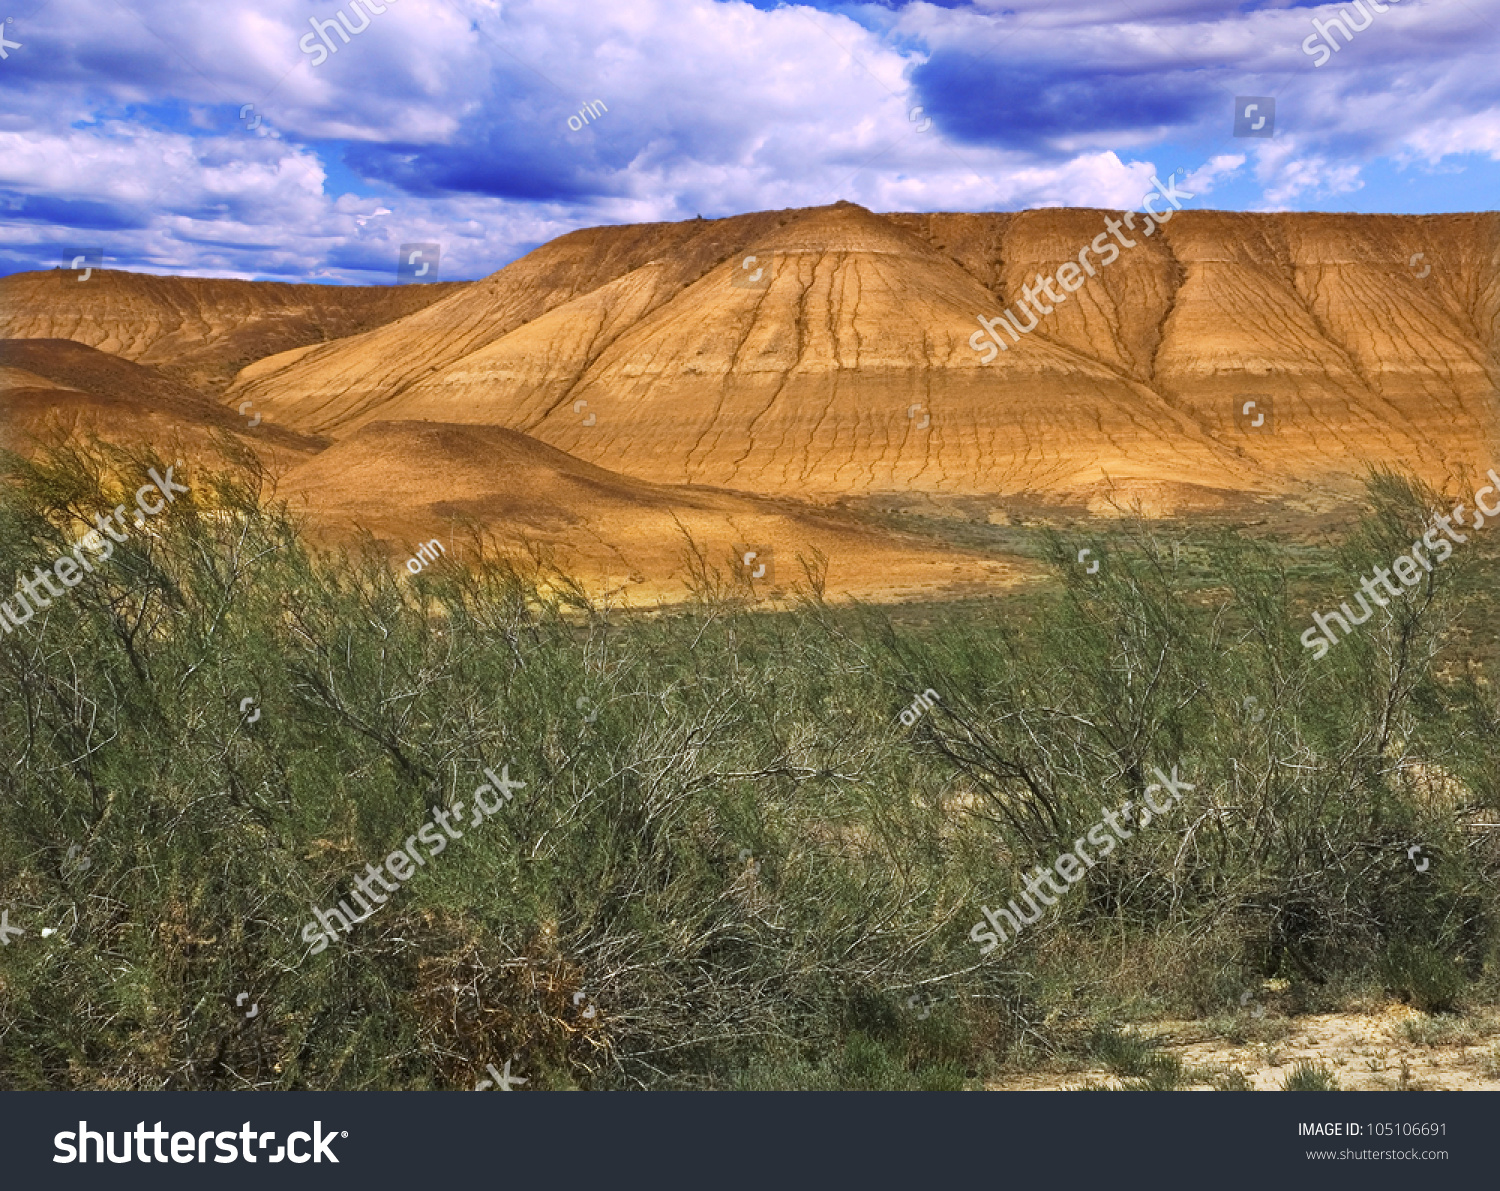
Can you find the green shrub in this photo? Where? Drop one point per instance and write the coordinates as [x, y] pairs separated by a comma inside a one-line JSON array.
[[1122, 1053], [1424, 975], [742, 863], [1164, 1073]]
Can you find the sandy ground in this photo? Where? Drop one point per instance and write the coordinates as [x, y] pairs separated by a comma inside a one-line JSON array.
[[1365, 1051]]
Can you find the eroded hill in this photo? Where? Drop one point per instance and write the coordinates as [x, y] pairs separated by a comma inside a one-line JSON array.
[[849, 371], [51, 389], [408, 482], [199, 330], [620, 389]]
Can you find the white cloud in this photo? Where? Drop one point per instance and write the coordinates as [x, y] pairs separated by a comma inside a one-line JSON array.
[[1478, 133], [713, 107], [1205, 176], [1287, 174]]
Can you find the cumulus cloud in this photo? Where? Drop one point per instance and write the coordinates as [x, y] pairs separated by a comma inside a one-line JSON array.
[[1287, 175], [123, 124]]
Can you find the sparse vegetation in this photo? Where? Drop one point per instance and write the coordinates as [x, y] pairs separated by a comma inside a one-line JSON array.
[[1241, 1028], [756, 875], [1449, 1029], [1126, 1054], [1310, 1077]]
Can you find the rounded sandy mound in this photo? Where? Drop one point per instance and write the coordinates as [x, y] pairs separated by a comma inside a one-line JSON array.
[[410, 482]]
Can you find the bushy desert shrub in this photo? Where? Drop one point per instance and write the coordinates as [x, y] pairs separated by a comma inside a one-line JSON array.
[[730, 863]]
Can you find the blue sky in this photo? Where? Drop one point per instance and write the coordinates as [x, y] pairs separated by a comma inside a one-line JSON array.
[[124, 126]]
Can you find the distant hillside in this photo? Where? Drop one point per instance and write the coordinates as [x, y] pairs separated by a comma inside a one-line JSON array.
[[620, 385], [199, 330], [812, 384], [51, 387]]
